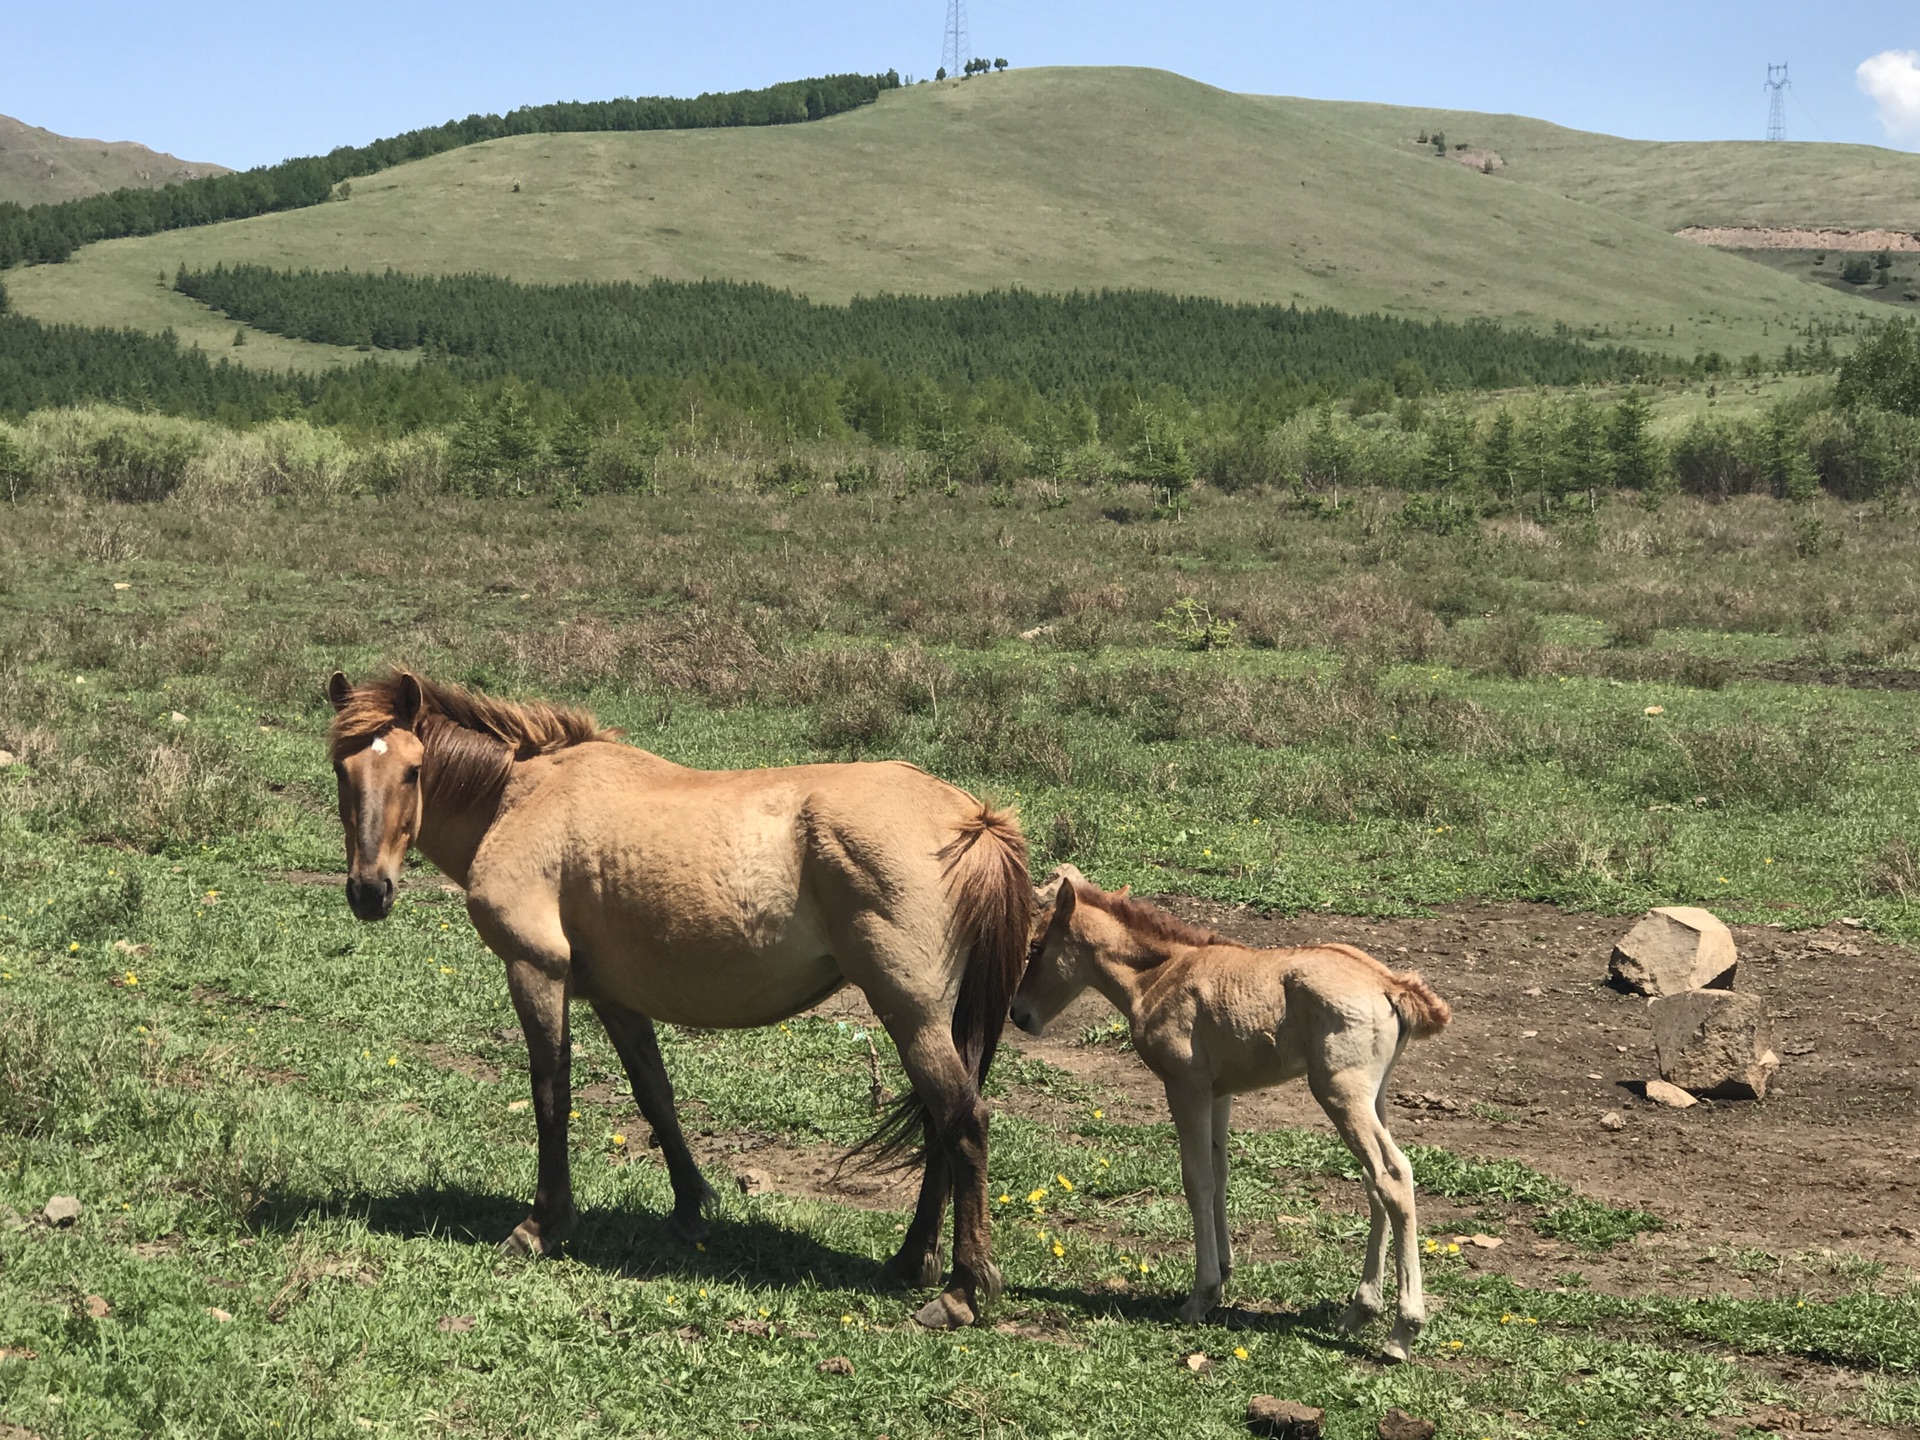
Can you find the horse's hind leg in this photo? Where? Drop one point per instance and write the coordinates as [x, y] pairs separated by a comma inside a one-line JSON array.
[[957, 1125], [917, 1263], [1350, 1098], [639, 1051]]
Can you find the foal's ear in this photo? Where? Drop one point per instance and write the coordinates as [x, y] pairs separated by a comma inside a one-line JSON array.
[[408, 702], [339, 690]]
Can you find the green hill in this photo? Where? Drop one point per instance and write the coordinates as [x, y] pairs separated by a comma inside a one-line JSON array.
[[1669, 184], [38, 167], [1052, 179]]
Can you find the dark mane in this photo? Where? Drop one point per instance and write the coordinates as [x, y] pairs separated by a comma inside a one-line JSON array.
[[472, 740], [1147, 920]]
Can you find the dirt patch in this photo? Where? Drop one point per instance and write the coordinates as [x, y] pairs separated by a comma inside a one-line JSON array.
[[1731, 237], [1540, 1049]]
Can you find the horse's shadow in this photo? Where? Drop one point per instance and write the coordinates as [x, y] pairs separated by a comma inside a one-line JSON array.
[[742, 1249], [633, 1244]]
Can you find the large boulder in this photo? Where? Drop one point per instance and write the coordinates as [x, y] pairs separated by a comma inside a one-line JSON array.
[[1674, 949], [1714, 1043]]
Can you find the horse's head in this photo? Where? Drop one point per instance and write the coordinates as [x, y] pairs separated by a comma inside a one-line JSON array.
[[1059, 966], [376, 763]]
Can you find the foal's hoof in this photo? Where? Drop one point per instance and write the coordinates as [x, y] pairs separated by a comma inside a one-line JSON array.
[[1357, 1316], [946, 1311], [690, 1227], [1194, 1310], [1400, 1343]]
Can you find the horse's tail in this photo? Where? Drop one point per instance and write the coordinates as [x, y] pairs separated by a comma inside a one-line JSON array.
[[1422, 1013], [992, 893]]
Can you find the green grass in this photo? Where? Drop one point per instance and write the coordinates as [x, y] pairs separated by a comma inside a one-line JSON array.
[[307, 1123], [1052, 179], [1664, 183]]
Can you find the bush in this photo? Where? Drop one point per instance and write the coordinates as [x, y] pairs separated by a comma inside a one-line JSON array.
[[1244, 460], [1716, 458], [1862, 453]]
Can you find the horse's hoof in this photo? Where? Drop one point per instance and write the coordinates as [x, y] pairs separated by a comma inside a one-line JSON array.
[[525, 1243], [1195, 1310], [946, 1311], [1393, 1353], [1356, 1317], [911, 1272], [690, 1227]]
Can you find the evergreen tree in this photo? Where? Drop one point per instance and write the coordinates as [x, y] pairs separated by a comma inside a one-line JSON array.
[[1499, 456], [1635, 455], [1587, 465], [1447, 464]]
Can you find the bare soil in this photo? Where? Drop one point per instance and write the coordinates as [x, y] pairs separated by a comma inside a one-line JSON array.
[[1743, 237]]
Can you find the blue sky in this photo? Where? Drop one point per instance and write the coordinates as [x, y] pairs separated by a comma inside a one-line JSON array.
[[245, 84]]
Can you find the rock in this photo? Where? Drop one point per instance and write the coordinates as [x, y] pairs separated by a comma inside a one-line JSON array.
[[176, 717], [7, 757], [62, 1210], [754, 1182], [98, 1308], [1198, 1362], [1612, 1121], [836, 1365], [1674, 949], [1713, 1042], [1396, 1424], [1283, 1419], [220, 1317], [1661, 1093]]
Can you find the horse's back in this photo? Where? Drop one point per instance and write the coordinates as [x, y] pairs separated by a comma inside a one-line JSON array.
[[717, 897]]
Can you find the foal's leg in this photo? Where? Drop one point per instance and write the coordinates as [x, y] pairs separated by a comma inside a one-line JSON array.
[[539, 994], [1350, 1098], [639, 1050], [917, 1262], [1222, 1232], [1193, 1109]]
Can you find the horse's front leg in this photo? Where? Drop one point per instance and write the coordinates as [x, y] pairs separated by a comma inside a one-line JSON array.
[[539, 994], [639, 1051]]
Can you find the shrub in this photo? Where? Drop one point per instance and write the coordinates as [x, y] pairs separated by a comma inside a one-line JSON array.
[[1716, 458], [1244, 460]]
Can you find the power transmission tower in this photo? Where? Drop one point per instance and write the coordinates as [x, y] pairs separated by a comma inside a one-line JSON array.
[[1777, 82], [953, 53]]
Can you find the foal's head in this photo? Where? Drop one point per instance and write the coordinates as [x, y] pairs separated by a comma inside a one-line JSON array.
[[1059, 958], [377, 756]]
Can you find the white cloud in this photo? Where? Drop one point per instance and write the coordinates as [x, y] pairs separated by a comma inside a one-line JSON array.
[[1892, 78]]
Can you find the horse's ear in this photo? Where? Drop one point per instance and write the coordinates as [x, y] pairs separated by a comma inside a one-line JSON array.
[[339, 690], [408, 702]]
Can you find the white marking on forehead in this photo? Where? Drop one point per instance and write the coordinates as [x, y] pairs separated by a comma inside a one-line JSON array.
[[379, 745]]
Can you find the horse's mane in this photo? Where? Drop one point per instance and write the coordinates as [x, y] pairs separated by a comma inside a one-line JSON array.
[[1149, 921], [471, 740]]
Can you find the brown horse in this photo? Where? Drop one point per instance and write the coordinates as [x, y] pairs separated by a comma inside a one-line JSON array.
[[713, 898], [1213, 1019]]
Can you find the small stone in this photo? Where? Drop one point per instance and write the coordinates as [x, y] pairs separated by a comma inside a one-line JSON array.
[[1661, 1093], [7, 757], [1197, 1362], [836, 1365], [753, 1182], [1713, 1042], [1612, 1121], [220, 1316], [176, 717], [62, 1210], [1673, 949], [1397, 1424], [1284, 1419], [98, 1308], [122, 585]]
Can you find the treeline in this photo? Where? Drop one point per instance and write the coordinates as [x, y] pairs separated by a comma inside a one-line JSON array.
[[43, 234], [567, 336]]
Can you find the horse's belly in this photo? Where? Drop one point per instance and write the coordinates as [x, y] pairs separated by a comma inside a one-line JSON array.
[[730, 990]]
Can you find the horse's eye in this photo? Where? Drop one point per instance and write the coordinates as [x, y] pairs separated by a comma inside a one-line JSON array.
[[413, 775]]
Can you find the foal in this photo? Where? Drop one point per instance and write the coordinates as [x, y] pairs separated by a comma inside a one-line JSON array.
[[1213, 1019]]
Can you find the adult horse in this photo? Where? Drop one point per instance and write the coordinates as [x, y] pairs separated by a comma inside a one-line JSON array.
[[727, 898]]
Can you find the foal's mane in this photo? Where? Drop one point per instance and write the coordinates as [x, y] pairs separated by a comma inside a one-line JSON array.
[[471, 740], [1147, 921]]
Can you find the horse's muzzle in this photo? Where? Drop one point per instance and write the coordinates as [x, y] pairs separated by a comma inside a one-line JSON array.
[[1025, 1019], [370, 899]]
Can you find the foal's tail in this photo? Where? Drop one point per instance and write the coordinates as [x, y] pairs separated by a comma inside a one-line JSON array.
[[1422, 1013], [992, 892]]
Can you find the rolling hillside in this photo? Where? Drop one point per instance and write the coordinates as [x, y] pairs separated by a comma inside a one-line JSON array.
[[1056, 179], [38, 167], [1669, 184]]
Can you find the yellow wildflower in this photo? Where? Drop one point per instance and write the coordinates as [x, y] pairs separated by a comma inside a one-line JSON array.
[[1239, 1352]]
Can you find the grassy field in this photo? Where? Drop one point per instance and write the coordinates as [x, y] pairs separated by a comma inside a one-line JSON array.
[[1053, 179], [295, 1137], [1664, 183]]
